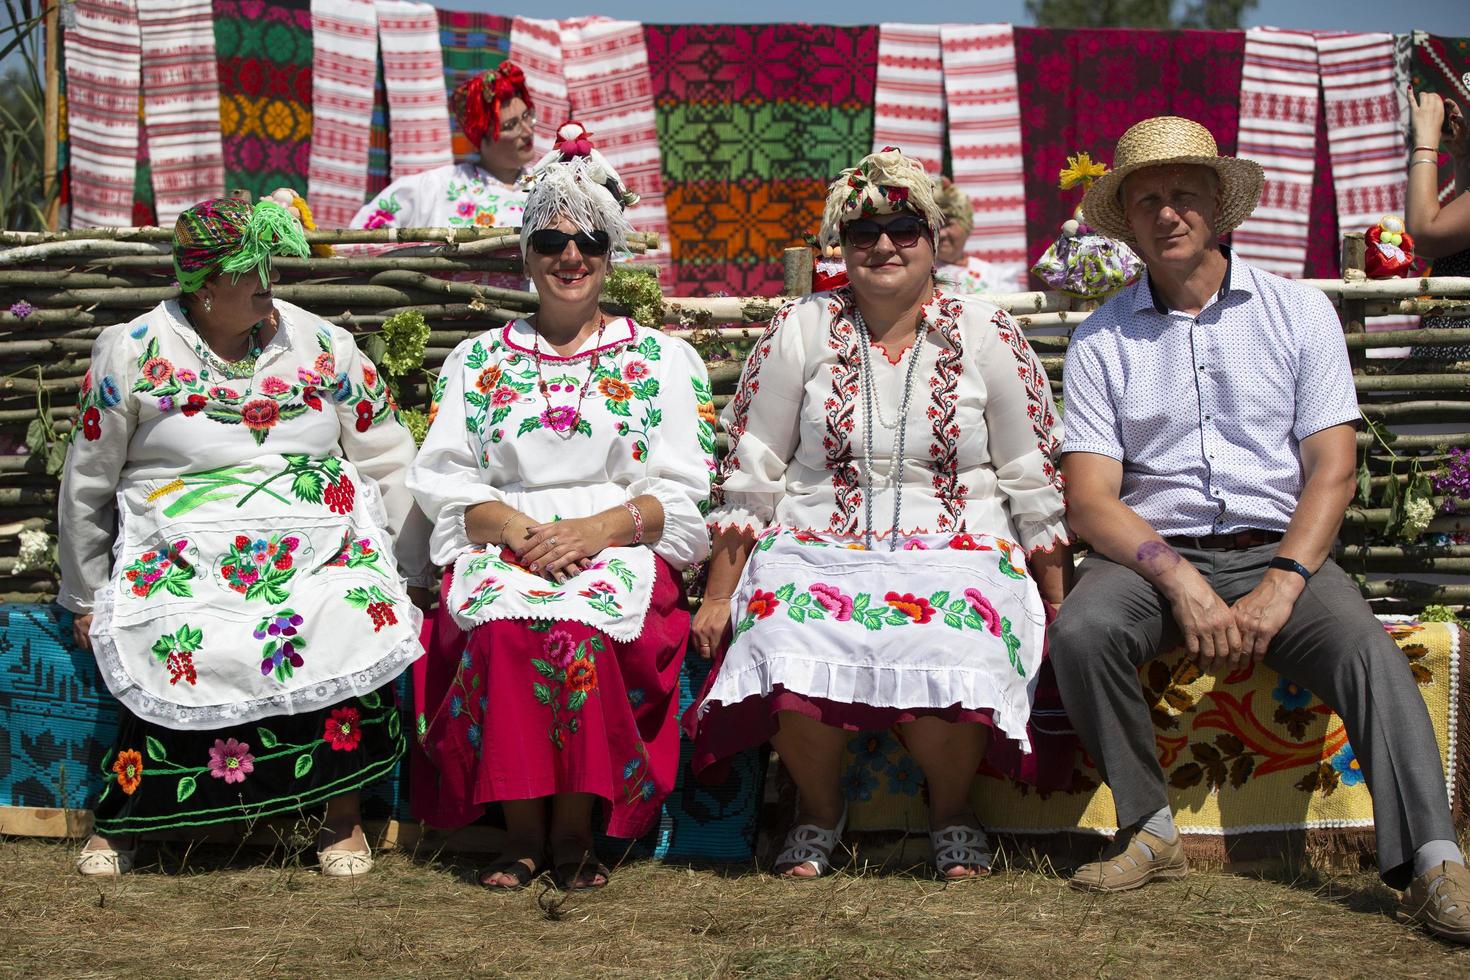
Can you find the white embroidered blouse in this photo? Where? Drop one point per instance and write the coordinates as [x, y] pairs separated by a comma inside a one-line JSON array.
[[646, 426], [233, 537], [980, 443], [460, 195]]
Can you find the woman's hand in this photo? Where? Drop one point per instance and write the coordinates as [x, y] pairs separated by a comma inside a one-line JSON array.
[[556, 550], [80, 629], [711, 628], [1426, 117]]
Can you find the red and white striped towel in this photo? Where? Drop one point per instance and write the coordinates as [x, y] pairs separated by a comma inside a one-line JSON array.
[[908, 105], [103, 77], [535, 45], [1364, 137], [595, 70], [413, 74], [984, 108], [181, 104], [1278, 130], [343, 69]]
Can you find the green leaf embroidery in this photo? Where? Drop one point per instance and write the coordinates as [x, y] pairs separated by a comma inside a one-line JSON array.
[[529, 424], [576, 700], [308, 487], [267, 738], [156, 751], [785, 592], [394, 724], [303, 765], [371, 700], [939, 599], [622, 408], [187, 785], [544, 669], [542, 692]]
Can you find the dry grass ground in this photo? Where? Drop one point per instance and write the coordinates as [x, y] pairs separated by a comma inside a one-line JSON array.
[[215, 912]]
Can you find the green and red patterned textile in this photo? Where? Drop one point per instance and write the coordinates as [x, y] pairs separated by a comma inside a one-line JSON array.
[[754, 120], [472, 43], [378, 138], [1442, 65], [264, 51]]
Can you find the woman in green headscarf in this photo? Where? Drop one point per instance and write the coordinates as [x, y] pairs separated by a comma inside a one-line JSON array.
[[227, 519]]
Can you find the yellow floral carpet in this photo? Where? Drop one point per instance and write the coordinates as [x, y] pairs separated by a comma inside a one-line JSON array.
[[1251, 761]]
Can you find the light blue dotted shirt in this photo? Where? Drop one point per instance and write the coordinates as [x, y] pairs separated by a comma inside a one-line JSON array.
[[1207, 413]]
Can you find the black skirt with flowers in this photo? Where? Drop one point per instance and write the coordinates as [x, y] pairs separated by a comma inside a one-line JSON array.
[[160, 778]]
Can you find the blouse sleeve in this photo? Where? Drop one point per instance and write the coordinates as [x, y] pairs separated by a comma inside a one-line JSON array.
[[763, 422], [445, 477], [395, 206], [1023, 430], [377, 443], [680, 454], [107, 414]]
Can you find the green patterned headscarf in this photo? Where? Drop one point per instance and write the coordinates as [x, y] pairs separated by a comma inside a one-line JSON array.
[[230, 235]]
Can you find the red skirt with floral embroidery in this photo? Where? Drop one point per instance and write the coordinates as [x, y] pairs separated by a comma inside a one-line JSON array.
[[518, 709]]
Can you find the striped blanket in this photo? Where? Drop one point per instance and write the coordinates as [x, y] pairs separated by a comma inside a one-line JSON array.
[[471, 43]]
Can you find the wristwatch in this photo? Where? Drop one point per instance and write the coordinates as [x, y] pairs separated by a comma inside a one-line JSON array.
[[1291, 565]]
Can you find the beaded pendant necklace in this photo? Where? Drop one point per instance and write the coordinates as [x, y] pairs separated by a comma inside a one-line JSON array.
[[570, 429], [235, 370], [896, 455]]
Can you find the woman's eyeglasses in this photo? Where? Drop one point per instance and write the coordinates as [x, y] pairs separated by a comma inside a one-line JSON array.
[[526, 119], [903, 232], [550, 241]]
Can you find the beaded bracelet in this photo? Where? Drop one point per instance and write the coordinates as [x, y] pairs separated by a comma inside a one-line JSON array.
[[637, 522]]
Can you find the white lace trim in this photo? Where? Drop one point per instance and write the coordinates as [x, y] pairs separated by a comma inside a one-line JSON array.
[[308, 698]]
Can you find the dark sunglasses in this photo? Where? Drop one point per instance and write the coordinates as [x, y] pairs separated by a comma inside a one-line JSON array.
[[903, 232], [550, 241]]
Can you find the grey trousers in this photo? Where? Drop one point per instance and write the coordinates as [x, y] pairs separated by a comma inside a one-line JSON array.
[[1114, 621]]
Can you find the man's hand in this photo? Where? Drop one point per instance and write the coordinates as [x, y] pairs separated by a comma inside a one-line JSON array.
[[1208, 625], [1261, 612]]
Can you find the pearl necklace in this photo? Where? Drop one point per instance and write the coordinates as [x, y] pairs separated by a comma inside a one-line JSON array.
[[570, 429], [896, 456]]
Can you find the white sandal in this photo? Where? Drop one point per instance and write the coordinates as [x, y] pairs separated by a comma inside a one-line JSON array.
[[962, 846], [337, 863], [807, 843], [105, 862]]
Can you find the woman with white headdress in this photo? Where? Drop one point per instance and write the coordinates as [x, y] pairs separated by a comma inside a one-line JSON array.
[[563, 474], [888, 524]]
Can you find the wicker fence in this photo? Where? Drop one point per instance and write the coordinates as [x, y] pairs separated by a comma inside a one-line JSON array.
[[58, 291]]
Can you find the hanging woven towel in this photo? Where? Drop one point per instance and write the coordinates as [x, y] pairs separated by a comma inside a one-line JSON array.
[[908, 107], [413, 74], [103, 77], [344, 63]]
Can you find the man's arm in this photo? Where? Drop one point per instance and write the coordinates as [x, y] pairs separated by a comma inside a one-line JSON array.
[[1098, 516], [1329, 458]]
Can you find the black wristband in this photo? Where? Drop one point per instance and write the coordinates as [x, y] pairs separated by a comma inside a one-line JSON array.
[[1291, 565]]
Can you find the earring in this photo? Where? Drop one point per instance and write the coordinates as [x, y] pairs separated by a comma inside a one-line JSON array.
[[208, 304]]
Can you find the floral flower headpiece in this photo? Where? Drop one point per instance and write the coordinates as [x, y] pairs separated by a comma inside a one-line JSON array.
[[575, 181], [885, 182]]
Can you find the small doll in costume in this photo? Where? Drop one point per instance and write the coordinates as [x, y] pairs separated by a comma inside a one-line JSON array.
[[1082, 262]]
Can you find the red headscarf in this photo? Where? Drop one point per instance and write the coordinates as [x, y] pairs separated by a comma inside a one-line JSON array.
[[476, 103]]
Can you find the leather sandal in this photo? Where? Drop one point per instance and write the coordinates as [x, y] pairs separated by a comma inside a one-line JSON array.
[[516, 869], [1132, 861], [105, 862], [338, 863], [960, 846], [807, 843], [567, 873]]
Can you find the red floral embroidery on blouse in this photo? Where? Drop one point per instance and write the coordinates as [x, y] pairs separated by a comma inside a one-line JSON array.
[[1039, 407], [944, 400], [840, 412]]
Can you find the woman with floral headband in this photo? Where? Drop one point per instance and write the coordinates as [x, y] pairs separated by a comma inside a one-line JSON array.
[[226, 542], [495, 113], [564, 475], [888, 528]]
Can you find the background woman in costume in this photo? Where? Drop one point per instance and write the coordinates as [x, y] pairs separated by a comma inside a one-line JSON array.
[[564, 474], [249, 465], [883, 521], [1440, 233], [957, 271]]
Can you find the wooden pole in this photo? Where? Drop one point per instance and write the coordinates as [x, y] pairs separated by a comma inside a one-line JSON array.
[[1354, 315], [52, 121], [798, 269]]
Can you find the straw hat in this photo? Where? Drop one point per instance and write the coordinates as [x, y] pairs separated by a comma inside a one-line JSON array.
[[1165, 140]]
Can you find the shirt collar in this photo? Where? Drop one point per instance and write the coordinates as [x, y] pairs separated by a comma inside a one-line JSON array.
[[1236, 278]]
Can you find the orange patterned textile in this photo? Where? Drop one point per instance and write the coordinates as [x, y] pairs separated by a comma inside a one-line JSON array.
[[1252, 762]]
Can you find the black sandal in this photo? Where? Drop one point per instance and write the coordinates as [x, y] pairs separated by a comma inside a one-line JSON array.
[[567, 873], [517, 869]]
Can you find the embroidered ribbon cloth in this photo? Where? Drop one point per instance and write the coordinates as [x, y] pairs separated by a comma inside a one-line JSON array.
[[103, 79], [943, 621], [611, 596], [413, 74], [1278, 130], [345, 42], [908, 104], [259, 614]]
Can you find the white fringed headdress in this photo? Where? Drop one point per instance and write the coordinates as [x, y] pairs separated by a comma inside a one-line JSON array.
[[575, 182], [885, 182]]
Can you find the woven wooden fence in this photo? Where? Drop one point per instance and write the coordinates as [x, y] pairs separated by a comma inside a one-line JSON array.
[[58, 291]]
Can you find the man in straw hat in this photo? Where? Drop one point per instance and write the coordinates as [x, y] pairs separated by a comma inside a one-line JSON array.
[[1209, 458]]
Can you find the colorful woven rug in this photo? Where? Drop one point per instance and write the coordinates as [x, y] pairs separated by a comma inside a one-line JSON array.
[[753, 122], [103, 78], [908, 100], [1081, 89], [1440, 65], [984, 109], [344, 60], [181, 104], [471, 43], [1278, 110], [265, 54], [413, 73], [1248, 754]]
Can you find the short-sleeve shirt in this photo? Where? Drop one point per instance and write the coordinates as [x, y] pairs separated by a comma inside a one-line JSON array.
[[1207, 412]]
